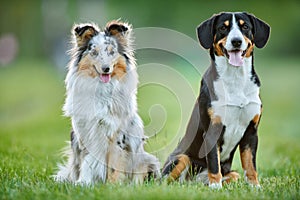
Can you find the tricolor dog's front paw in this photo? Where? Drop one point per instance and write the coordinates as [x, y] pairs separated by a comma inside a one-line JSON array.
[[231, 176], [216, 186], [251, 178], [215, 180]]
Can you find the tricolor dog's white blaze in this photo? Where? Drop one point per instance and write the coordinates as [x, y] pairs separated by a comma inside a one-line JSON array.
[[235, 32], [235, 54], [238, 96]]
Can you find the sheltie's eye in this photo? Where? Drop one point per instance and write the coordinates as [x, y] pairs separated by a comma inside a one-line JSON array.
[[94, 52], [110, 50], [91, 46]]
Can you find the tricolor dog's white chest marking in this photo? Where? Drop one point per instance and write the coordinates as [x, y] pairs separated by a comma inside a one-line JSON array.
[[238, 100]]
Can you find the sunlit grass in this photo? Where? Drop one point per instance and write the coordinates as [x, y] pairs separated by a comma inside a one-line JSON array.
[[33, 130]]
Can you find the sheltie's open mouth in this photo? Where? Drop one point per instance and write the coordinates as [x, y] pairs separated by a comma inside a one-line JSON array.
[[105, 77]]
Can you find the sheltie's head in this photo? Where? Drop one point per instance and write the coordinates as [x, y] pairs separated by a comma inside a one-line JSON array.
[[102, 54]]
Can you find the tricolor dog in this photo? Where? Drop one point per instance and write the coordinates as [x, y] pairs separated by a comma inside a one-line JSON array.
[[107, 138], [228, 110]]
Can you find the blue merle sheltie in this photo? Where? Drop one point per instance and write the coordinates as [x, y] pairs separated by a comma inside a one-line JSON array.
[[107, 138]]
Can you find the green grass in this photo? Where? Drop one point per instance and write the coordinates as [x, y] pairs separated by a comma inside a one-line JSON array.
[[33, 130]]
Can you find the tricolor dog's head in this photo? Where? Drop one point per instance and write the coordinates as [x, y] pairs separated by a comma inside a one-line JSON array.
[[233, 35], [102, 54]]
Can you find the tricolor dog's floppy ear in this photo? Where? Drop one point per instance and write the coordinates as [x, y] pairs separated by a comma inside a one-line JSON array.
[[205, 32], [261, 31], [83, 33]]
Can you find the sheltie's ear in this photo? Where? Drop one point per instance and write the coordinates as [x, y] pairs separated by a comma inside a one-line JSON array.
[[83, 33], [117, 27], [121, 31]]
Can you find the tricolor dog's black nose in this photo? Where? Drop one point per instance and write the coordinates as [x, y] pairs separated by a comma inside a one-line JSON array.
[[236, 42], [105, 69]]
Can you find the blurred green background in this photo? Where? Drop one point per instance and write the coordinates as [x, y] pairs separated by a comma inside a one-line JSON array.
[[34, 38], [41, 27]]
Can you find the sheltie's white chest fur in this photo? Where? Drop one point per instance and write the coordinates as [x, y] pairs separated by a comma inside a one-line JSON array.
[[238, 102], [90, 101]]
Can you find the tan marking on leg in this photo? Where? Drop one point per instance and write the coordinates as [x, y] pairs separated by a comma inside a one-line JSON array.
[[231, 176], [183, 162], [214, 119], [117, 161], [247, 164], [112, 175], [216, 178], [256, 120]]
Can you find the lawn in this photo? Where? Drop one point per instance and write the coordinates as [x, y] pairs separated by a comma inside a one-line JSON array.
[[33, 130]]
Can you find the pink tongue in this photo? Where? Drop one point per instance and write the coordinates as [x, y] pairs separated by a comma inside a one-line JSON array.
[[235, 58], [105, 78]]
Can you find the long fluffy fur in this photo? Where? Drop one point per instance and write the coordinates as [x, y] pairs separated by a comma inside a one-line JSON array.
[[107, 138]]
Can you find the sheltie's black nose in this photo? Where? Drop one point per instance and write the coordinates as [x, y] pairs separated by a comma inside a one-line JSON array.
[[105, 69]]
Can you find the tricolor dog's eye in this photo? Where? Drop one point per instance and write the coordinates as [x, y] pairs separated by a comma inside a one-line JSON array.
[[223, 28], [245, 27]]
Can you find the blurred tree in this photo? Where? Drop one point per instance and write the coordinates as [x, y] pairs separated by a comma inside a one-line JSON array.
[[42, 27], [23, 18]]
